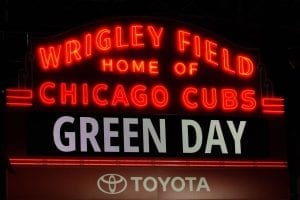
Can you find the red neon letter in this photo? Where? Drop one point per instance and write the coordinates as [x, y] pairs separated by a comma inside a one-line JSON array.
[[155, 36], [197, 46], [225, 62], [103, 41], [136, 36], [138, 66], [88, 44], [179, 69], [138, 96], [106, 65], [193, 68], [209, 102], [211, 52], [229, 99], [119, 96], [42, 93], [182, 40], [70, 93], [85, 94], [186, 98], [248, 100], [245, 66], [153, 67], [49, 57], [119, 38], [96, 97], [159, 96], [122, 66], [72, 51]]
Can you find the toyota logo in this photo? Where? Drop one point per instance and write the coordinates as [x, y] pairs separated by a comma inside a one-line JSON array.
[[112, 183]]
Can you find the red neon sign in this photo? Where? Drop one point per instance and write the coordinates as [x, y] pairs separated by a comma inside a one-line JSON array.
[[161, 59], [155, 69], [75, 50]]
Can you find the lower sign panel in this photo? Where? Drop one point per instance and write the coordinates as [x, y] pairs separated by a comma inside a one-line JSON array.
[[130, 183]]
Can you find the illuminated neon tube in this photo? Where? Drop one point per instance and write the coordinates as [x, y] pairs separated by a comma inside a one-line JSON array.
[[129, 162]]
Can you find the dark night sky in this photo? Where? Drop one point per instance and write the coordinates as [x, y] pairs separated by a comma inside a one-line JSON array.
[[271, 26]]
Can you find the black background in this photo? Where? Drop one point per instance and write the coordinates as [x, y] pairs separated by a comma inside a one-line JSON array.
[[255, 142]]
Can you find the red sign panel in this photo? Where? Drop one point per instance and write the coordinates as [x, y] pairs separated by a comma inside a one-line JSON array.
[[146, 183]]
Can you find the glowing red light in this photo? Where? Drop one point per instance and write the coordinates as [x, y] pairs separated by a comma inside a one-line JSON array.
[[125, 66], [68, 93], [248, 98], [119, 38], [211, 52], [96, 95], [188, 98], [225, 64], [160, 96], [46, 161], [119, 97], [103, 40], [213, 99], [138, 96], [229, 99], [156, 35], [102, 95], [136, 36], [19, 97], [245, 66], [273, 105], [72, 54], [197, 46], [49, 57], [183, 40], [209, 100]]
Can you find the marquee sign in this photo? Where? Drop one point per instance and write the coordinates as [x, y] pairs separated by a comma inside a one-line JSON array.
[[145, 87]]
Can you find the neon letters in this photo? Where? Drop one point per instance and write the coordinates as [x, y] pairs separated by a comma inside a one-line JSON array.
[[161, 59]]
